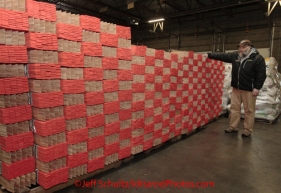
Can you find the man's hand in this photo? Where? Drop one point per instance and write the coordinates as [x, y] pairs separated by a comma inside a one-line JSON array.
[[204, 57], [255, 92]]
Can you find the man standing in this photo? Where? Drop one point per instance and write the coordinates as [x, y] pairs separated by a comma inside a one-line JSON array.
[[248, 76]]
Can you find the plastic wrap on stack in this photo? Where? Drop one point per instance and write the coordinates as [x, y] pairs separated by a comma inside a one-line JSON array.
[[268, 104], [227, 89], [279, 78]]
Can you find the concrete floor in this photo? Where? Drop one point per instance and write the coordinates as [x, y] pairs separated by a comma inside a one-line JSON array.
[[233, 163]]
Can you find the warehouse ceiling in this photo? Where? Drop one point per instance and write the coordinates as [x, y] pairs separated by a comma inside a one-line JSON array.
[[205, 16]]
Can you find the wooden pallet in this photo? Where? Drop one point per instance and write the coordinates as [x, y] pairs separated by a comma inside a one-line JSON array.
[[8, 187], [19, 184], [265, 121], [71, 182], [215, 118], [153, 148], [38, 189], [173, 139]]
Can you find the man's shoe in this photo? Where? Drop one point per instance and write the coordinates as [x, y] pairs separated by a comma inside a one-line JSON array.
[[246, 133], [230, 130]]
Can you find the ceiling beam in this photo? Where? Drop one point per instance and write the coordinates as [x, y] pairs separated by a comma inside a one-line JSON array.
[[72, 7], [187, 22], [200, 3], [213, 8], [146, 9], [114, 9], [263, 8], [179, 7], [228, 12], [241, 28], [99, 4], [188, 4], [138, 11], [174, 5], [159, 4]]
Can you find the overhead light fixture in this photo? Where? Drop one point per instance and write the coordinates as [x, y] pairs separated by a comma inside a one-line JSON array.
[[269, 7], [133, 21], [131, 5], [103, 9], [156, 20]]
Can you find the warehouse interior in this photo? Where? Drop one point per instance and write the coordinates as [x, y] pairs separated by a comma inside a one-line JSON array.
[[190, 25], [115, 96]]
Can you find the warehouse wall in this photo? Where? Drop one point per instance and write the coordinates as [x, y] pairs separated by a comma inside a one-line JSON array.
[[259, 34], [259, 37]]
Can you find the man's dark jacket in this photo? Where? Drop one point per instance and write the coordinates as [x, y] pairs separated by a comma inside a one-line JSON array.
[[249, 74]]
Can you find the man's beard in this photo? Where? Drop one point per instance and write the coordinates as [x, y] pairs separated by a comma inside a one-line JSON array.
[[244, 54]]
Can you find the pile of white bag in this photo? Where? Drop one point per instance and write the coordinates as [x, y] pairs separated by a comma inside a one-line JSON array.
[[227, 89], [268, 103]]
